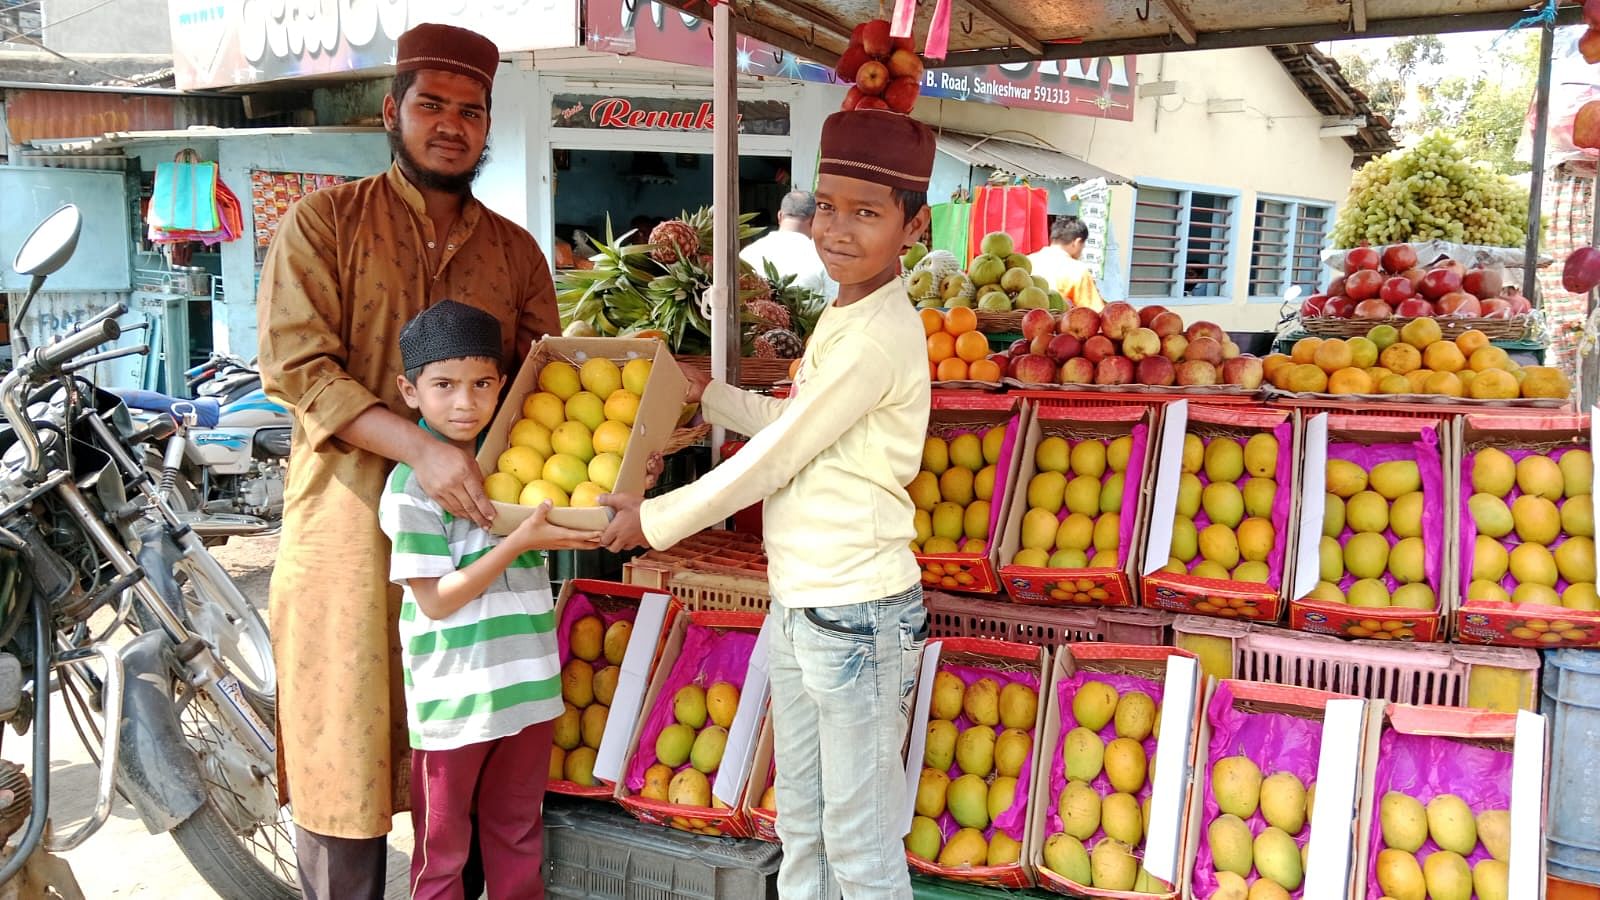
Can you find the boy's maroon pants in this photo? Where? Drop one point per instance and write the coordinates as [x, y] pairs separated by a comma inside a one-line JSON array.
[[503, 782]]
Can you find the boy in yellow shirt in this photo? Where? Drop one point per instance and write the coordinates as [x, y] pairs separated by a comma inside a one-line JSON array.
[[831, 463]]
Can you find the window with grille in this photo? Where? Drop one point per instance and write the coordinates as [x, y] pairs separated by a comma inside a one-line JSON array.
[[1182, 243], [1286, 246]]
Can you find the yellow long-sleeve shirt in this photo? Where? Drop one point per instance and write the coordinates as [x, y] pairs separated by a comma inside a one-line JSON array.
[[831, 461]]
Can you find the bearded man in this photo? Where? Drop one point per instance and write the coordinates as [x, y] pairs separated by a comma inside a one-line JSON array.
[[350, 265]]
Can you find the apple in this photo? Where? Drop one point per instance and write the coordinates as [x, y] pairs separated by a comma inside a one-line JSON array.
[[1140, 343], [999, 359], [1244, 371], [1173, 346], [1312, 307], [1156, 370], [1335, 287], [1036, 369], [1341, 307], [875, 39], [1414, 308], [1230, 350], [872, 103], [1361, 258], [901, 94], [1204, 349], [1206, 329], [1011, 367], [905, 63], [852, 99], [1414, 275], [1482, 283], [1373, 309], [909, 42], [872, 78], [850, 62], [1439, 282], [1064, 347], [1496, 308], [1397, 290], [1081, 322], [1038, 322], [1459, 303], [1147, 314], [1077, 371], [1398, 257], [1364, 284], [1114, 370], [1166, 323], [1018, 347], [1589, 45], [1117, 319], [1098, 347], [1196, 372], [1040, 345]]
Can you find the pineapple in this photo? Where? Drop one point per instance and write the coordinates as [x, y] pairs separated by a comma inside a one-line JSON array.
[[779, 344], [674, 240]]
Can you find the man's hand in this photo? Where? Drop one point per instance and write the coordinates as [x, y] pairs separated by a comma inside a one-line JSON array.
[[536, 533], [698, 379], [653, 467], [625, 531], [451, 477]]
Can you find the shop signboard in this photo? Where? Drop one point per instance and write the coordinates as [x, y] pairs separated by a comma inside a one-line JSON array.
[[1100, 87], [605, 112], [1094, 208], [222, 43]]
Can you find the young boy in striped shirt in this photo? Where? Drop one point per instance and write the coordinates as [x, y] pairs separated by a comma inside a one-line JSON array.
[[477, 633]]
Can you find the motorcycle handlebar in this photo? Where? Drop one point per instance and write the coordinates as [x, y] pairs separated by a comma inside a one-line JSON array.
[[77, 343], [100, 329]]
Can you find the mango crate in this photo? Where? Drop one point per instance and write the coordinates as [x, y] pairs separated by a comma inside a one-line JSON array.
[[957, 540]]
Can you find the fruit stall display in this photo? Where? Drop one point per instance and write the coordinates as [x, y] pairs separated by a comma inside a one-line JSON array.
[[1432, 191], [978, 761], [1374, 494], [761, 798], [592, 633], [997, 281], [964, 489], [883, 72], [1102, 730]]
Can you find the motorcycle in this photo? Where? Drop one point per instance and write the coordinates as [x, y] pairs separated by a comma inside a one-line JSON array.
[[180, 716]]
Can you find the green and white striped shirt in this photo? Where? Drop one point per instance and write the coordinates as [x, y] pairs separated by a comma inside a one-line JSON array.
[[488, 670]]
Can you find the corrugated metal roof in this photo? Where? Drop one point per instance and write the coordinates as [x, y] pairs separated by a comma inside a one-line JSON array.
[[36, 115], [1030, 161], [114, 141]]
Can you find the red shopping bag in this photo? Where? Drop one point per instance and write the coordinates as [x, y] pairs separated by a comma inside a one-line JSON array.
[[1018, 210]]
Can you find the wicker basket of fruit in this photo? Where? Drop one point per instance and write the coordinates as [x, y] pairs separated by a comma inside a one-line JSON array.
[[1388, 285]]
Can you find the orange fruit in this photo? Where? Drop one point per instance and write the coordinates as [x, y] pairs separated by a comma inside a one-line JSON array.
[[1488, 357], [941, 346], [1350, 381], [1280, 376], [1443, 383], [1307, 378], [984, 370], [1272, 362], [932, 321], [1332, 355], [960, 320], [1305, 350], [971, 345], [1470, 341], [1443, 356], [952, 369], [1400, 358], [1419, 378], [794, 368]]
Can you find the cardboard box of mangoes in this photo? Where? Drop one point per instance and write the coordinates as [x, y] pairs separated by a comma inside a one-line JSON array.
[[1454, 804], [607, 637], [1078, 504], [969, 462], [1115, 770], [1376, 553], [1527, 558], [689, 756], [760, 801], [1220, 521], [1279, 796], [580, 419]]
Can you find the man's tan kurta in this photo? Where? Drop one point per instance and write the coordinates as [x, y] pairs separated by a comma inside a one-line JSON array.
[[347, 269]]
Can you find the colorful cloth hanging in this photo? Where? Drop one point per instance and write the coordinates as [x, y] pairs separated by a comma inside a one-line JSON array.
[[1018, 210], [190, 202], [950, 223]]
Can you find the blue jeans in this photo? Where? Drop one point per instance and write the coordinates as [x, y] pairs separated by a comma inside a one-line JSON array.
[[842, 680]]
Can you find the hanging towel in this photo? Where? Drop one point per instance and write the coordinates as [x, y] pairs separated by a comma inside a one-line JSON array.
[[949, 229], [1018, 210], [230, 223], [185, 197]]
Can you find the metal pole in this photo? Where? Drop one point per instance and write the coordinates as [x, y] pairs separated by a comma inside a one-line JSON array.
[[725, 338], [1541, 130]]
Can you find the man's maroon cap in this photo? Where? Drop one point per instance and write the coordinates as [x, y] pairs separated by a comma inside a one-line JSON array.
[[448, 49]]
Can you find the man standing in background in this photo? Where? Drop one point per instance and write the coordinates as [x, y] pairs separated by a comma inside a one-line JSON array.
[[1062, 265], [790, 249]]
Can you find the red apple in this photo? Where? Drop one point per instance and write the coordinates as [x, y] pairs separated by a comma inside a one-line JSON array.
[[1439, 282], [1196, 372], [1589, 45], [1018, 347], [1206, 329], [1397, 290], [1036, 369], [909, 42], [1335, 287], [1496, 308], [1147, 314], [999, 359], [1591, 13], [1414, 275], [872, 103], [1040, 345], [875, 39], [1117, 319], [1230, 350], [872, 78], [902, 93], [1036, 322], [1398, 257], [1166, 323], [1459, 303], [852, 99], [1156, 370], [850, 62], [1482, 283], [1077, 371], [1140, 343], [1113, 370], [1011, 367], [1064, 347], [1204, 349], [1098, 347], [1364, 284], [1373, 309], [1173, 346], [1081, 322], [1414, 308], [1244, 371], [1361, 258], [1340, 307], [906, 64]]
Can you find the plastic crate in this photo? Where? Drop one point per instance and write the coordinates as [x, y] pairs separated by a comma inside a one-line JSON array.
[[1046, 626], [1499, 678], [707, 590], [1572, 706], [715, 551], [598, 852], [926, 888]]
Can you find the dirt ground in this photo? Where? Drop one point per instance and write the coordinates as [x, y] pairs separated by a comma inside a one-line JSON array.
[[148, 866]]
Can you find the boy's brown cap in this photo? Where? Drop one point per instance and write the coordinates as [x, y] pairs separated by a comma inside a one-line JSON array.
[[878, 146]]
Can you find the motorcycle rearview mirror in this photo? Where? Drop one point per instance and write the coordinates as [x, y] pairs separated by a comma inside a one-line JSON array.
[[45, 251]]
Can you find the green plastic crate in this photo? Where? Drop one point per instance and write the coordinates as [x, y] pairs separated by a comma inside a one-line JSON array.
[[925, 888]]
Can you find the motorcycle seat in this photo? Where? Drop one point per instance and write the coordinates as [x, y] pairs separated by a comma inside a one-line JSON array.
[[207, 410]]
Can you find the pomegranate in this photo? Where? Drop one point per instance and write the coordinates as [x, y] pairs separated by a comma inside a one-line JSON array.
[[1439, 282], [1581, 272], [1519, 304], [1373, 309], [1459, 303], [1496, 308], [1414, 308], [1361, 258], [1339, 307], [1312, 307], [1481, 283], [1414, 275], [1398, 257], [1396, 290], [1335, 287], [1364, 284]]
